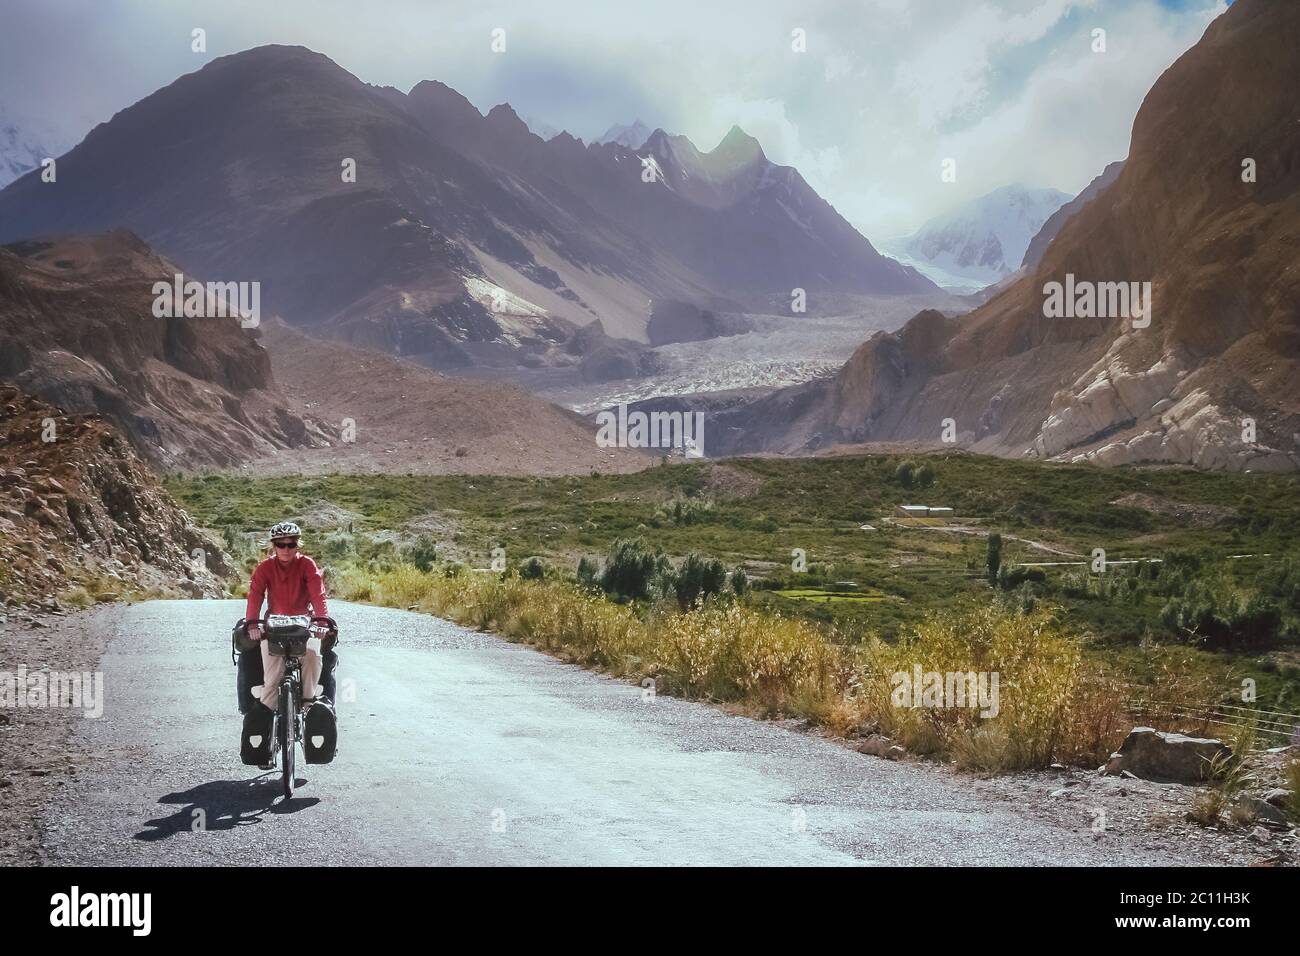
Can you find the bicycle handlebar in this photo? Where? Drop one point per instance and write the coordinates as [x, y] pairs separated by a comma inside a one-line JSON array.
[[262, 621]]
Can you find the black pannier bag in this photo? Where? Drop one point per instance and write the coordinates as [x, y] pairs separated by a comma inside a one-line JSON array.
[[240, 641], [320, 733], [255, 741]]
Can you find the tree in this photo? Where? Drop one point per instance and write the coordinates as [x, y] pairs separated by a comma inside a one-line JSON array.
[[698, 577], [904, 474], [631, 569], [924, 476], [739, 582], [994, 556], [588, 573]]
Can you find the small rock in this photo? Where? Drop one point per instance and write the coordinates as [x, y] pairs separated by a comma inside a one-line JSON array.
[[1278, 796], [1260, 835], [895, 752], [1261, 811], [875, 745]]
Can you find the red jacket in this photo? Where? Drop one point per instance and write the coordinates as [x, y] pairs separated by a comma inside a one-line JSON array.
[[293, 589]]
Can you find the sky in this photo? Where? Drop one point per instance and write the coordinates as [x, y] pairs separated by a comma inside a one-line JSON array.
[[882, 93]]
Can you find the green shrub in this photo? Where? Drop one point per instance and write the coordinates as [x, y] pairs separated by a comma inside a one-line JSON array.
[[698, 578], [993, 560], [739, 582], [422, 553], [685, 511], [588, 573], [632, 570]]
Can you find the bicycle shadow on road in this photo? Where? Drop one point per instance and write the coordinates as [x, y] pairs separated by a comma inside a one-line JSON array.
[[225, 804]]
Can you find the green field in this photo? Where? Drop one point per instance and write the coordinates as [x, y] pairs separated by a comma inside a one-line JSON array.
[[758, 514]]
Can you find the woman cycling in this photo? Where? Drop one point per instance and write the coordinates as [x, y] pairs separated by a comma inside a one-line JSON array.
[[291, 584]]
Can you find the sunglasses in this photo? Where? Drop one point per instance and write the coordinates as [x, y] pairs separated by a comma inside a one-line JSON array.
[[285, 544]]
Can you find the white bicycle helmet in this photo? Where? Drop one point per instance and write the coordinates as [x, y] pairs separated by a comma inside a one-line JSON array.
[[285, 529]]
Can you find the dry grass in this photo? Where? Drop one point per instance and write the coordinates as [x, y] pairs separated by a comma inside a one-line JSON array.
[[1050, 705]]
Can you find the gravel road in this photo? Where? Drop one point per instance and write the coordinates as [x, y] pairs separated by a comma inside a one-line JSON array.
[[459, 748]]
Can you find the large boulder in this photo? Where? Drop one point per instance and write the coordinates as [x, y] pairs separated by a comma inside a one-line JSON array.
[[1157, 755]]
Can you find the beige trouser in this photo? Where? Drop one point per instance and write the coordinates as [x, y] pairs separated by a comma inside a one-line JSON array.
[[273, 671]]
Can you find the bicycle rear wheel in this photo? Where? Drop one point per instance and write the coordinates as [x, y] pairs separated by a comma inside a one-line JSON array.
[[288, 737]]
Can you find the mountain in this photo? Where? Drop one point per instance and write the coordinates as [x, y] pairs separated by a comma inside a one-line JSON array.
[[633, 136], [1221, 352], [26, 141], [540, 128], [1038, 245], [412, 420], [77, 329], [84, 510], [466, 241], [980, 241]]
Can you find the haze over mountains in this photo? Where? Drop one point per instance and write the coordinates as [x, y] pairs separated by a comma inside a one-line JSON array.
[[466, 240], [981, 241], [26, 140], [1207, 209], [632, 135]]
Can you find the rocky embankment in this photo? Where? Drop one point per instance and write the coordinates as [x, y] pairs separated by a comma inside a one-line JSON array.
[[82, 518]]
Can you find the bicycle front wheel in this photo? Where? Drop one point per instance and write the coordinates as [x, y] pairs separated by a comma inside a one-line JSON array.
[[288, 737]]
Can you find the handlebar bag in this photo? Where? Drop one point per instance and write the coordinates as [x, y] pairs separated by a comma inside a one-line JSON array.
[[287, 641]]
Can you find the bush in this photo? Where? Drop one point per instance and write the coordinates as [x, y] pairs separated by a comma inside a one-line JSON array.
[[994, 557], [698, 578], [632, 570], [422, 553], [338, 545], [1038, 667], [685, 511], [739, 582], [1218, 619], [1011, 578], [588, 573], [532, 570]]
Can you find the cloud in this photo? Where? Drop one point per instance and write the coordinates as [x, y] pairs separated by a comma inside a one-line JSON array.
[[768, 122], [886, 89]]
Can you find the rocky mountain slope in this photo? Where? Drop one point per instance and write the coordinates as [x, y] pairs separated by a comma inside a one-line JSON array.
[[78, 507], [980, 241], [1038, 245], [77, 328], [407, 419], [1221, 355], [465, 240]]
